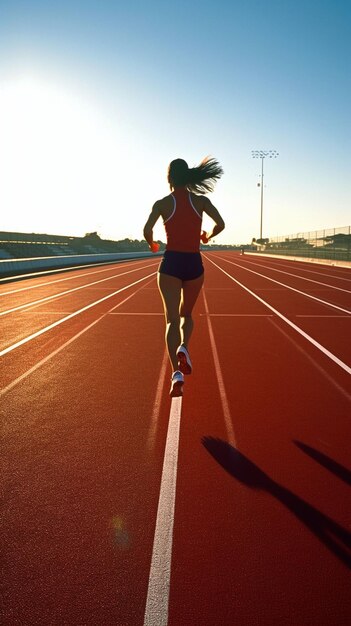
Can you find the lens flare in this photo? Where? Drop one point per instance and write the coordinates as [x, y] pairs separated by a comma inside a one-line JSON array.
[[121, 535]]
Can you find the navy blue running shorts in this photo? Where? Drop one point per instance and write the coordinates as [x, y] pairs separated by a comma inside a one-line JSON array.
[[182, 265]]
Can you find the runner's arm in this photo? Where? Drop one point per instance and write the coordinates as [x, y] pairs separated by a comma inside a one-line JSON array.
[[152, 219], [215, 215]]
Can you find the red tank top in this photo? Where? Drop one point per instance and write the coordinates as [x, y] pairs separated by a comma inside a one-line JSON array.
[[183, 227]]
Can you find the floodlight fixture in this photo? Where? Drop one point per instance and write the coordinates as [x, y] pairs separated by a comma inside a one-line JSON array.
[[263, 154]]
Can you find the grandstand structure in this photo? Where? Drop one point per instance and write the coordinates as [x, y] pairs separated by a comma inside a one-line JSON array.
[[329, 244], [34, 245]]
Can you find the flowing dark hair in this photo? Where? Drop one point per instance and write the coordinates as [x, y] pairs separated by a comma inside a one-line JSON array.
[[200, 179]]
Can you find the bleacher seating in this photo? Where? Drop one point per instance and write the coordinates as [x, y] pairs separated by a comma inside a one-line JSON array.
[[25, 245]]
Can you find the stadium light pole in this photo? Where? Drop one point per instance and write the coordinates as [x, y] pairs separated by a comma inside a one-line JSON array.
[[263, 154]]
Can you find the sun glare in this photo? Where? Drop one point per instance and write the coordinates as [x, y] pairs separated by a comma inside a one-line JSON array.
[[57, 159]]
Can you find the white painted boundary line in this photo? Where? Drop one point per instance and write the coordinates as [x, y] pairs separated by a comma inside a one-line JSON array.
[[339, 316], [301, 259], [303, 269], [137, 313], [40, 363], [244, 315], [313, 361], [64, 319], [64, 293], [48, 271], [67, 343], [157, 403], [156, 611], [74, 277], [220, 381], [329, 354], [310, 280], [303, 293]]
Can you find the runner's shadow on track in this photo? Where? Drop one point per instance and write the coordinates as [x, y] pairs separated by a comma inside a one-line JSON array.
[[339, 470], [334, 536]]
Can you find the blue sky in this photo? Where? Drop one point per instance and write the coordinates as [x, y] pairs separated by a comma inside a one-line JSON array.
[[98, 97]]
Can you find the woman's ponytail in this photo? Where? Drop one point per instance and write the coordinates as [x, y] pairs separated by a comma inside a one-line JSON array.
[[203, 178], [200, 179]]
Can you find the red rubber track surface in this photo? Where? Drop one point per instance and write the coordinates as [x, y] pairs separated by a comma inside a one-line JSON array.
[[261, 525]]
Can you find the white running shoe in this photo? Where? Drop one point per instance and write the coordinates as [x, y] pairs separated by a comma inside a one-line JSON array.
[[177, 382], [184, 362]]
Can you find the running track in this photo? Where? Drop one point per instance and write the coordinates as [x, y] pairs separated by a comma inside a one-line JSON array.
[[228, 507]]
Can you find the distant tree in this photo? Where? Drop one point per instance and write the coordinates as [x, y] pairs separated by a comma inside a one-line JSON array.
[[92, 236]]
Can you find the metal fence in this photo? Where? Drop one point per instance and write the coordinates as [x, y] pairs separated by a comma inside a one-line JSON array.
[[331, 243]]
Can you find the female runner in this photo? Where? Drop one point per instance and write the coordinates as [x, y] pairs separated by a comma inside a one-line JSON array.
[[181, 273]]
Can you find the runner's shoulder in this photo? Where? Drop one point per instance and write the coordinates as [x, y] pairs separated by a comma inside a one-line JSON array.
[[164, 206], [162, 203], [200, 202], [166, 201]]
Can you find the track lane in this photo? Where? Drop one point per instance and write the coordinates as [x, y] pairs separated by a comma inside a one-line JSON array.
[[247, 525], [295, 305], [60, 321], [7, 280], [18, 304], [16, 326], [85, 448], [322, 282], [34, 283], [48, 339], [14, 377], [338, 299], [321, 269], [82, 484]]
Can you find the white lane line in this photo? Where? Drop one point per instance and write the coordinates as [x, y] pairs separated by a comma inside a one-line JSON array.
[[64, 345], [334, 316], [143, 314], [274, 269], [239, 315], [220, 381], [40, 363], [329, 354], [16, 277], [157, 404], [64, 319], [63, 293], [303, 293], [156, 611], [30, 312], [59, 280], [315, 363], [72, 268], [37, 313], [302, 268]]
